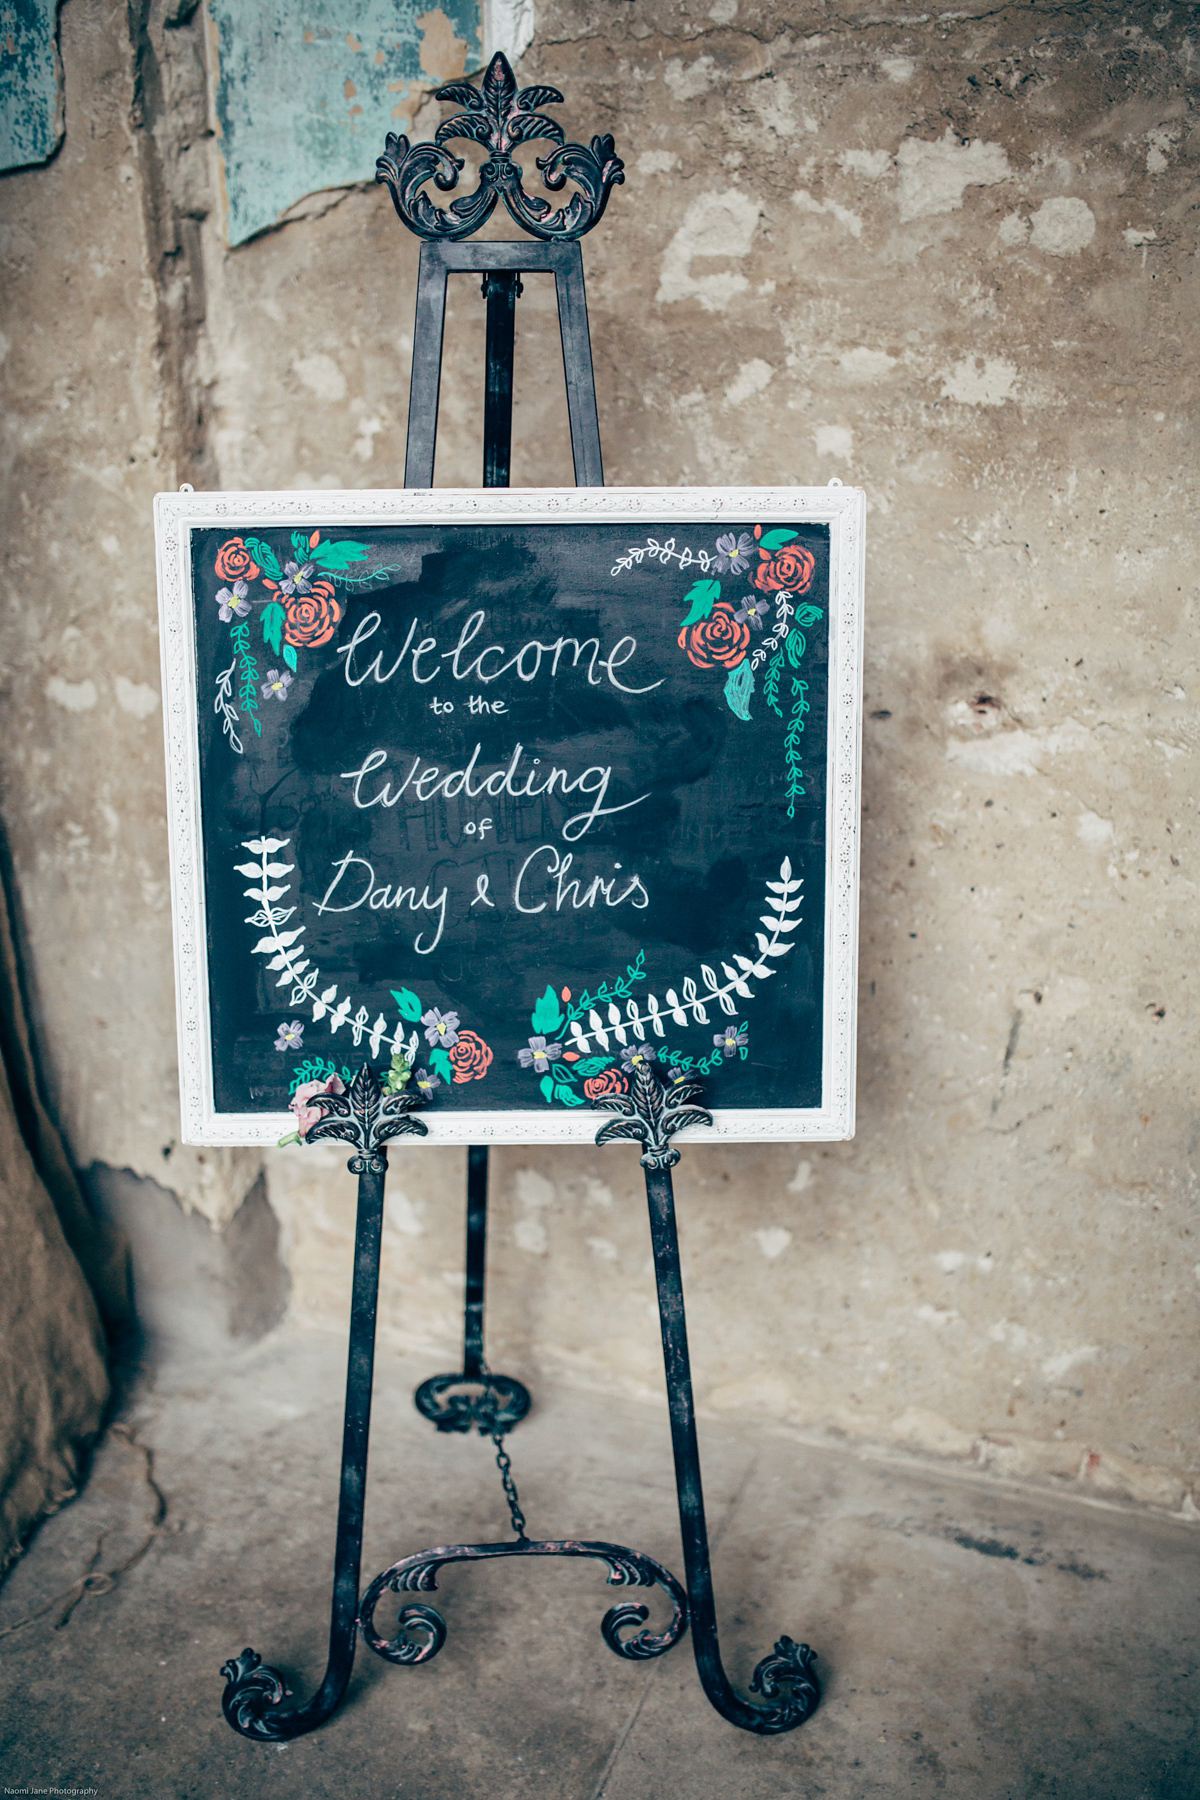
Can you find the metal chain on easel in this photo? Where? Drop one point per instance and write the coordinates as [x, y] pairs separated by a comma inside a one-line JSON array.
[[504, 1464], [497, 1434]]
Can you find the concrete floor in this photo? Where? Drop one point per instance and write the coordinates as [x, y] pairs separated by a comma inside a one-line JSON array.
[[973, 1640]]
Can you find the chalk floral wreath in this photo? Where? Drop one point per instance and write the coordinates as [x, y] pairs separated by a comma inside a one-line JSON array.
[[587, 1048], [581, 1048], [298, 608], [719, 634], [455, 1053]]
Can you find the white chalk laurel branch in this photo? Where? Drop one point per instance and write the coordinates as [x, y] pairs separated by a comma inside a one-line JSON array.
[[285, 949], [664, 553], [783, 899]]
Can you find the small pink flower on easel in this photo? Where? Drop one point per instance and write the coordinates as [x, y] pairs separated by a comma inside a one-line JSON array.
[[307, 1116]]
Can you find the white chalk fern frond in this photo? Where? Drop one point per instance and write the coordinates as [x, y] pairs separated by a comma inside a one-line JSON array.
[[285, 948], [689, 1003], [686, 1005]]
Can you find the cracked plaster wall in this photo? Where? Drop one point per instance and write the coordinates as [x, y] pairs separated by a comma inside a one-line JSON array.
[[949, 259]]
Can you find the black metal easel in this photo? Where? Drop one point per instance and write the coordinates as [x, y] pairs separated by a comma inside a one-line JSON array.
[[499, 116]]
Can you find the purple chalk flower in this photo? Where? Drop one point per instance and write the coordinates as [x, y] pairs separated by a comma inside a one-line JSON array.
[[291, 1035], [733, 553], [440, 1028], [296, 579], [637, 1056], [424, 1080], [277, 684], [539, 1055], [753, 611], [232, 602], [731, 1040]]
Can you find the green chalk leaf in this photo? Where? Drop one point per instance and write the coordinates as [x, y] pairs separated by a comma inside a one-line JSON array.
[[702, 596], [272, 626], [264, 556], [738, 690], [336, 556], [410, 1007], [775, 540], [547, 1014]]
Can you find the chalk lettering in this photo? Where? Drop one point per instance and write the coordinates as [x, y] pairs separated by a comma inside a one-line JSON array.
[[527, 662], [379, 898], [529, 783], [569, 891]]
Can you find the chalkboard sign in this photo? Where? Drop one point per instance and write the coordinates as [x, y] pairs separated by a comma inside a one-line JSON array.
[[509, 789]]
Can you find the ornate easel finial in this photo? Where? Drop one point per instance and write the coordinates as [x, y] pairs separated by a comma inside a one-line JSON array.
[[367, 1118], [499, 117], [652, 1113]]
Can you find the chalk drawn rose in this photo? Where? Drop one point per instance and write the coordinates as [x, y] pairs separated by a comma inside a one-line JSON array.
[[235, 563], [791, 568], [470, 1057], [312, 618], [307, 1116], [720, 639], [610, 1081]]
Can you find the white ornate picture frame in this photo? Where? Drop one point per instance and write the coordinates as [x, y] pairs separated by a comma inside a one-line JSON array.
[[842, 509]]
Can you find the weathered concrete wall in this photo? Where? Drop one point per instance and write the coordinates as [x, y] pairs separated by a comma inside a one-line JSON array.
[[952, 261]]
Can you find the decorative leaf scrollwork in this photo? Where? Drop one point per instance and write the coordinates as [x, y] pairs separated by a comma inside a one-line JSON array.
[[499, 117], [251, 1691], [790, 1666], [367, 1118], [651, 1113], [403, 1649], [456, 1403], [626, 1568]]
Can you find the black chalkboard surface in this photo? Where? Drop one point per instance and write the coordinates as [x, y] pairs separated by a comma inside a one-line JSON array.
[[515, 794]]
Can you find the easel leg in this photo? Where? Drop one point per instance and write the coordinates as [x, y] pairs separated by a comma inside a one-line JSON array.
[[253, 1690], [501, 287], [475, 1398], [477, 1198], [791, 1664]]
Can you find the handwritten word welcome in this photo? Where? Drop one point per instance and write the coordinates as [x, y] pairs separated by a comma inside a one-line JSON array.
[[526, 662]]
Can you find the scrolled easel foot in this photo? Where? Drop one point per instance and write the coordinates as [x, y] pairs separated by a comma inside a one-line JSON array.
[[252, 1690], [789, 1666]]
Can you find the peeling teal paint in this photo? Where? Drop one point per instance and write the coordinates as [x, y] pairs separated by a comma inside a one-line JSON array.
[[31, 105], [305, 94]]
